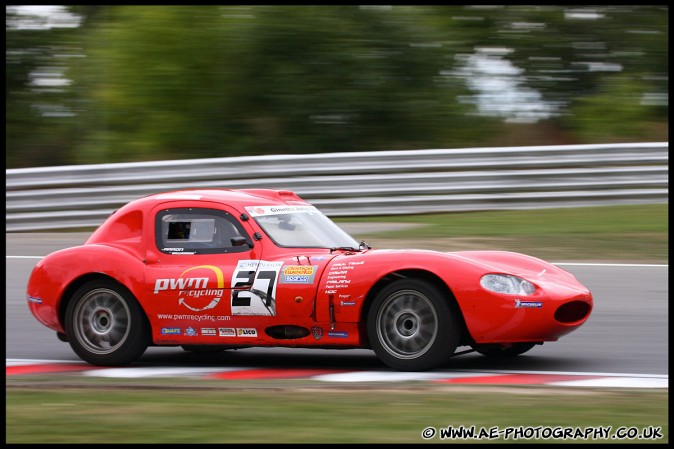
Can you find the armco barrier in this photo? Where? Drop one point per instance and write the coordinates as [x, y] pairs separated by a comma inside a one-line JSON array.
[[356, 184]]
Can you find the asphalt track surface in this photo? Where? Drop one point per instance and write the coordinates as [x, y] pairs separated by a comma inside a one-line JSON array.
[[626, 334]]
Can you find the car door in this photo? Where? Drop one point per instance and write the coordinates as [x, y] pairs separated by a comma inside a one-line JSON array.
[[197, 260]]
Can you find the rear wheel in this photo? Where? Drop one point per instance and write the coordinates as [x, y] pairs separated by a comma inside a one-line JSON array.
[[412, 326], [106, 325], [501, 351]]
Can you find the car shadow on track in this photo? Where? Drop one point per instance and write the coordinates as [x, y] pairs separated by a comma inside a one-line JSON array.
[[264, 358], [343, 359]]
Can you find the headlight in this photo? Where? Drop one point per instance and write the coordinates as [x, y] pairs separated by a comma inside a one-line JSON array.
[[510, 285]]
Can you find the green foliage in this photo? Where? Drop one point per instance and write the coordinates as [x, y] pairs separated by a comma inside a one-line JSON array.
[[264, 79], [180, 82], [617, 112]]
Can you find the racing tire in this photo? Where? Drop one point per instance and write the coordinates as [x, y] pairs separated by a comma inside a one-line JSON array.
[[502, 351], [105, 324], [412, 326]]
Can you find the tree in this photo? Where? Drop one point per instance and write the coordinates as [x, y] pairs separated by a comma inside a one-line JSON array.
[[614, 58], [219, 81], [177, 82], [40, 100]]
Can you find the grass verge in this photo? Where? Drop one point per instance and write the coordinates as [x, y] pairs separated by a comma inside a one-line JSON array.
[[618, 233], [369, 414]]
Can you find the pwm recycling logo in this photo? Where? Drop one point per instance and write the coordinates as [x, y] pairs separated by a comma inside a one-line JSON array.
[[193, 290]]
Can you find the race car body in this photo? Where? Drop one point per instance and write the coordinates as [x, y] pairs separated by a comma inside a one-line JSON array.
[[240, 268]]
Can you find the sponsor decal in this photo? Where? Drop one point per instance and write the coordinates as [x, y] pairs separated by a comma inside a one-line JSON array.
[[339, 276], [171, 331], [528, 304], [317, 332], [256, 211], [192, 317], [191, 332], [226, 332], [180, 283], [246, 332], [173, 250], [254, 287], [338, 334], [208, 331], [345, 300], [299, 270], [298, 274], [296, 280], [192, 290]]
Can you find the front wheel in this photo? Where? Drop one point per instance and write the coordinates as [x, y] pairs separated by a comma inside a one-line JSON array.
[[106, 325], [412, 326]]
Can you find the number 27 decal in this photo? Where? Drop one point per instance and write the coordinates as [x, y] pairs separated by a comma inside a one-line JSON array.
[[257, 280]]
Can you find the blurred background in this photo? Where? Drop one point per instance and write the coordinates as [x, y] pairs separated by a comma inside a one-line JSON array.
[[138, 84], [101, 84]]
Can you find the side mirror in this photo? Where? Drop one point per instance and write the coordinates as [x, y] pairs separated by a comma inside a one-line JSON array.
[[240, 241]]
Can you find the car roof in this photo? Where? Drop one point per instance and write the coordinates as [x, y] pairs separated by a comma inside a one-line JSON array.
[[233, 197], [132, 218]]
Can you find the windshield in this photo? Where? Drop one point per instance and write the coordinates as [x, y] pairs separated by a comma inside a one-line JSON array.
[[300, 226]]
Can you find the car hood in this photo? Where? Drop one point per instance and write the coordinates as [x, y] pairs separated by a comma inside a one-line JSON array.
[[479, 262], [512, 263]]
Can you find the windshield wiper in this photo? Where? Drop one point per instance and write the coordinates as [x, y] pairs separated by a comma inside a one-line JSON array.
[[362, 247], [343, 248]]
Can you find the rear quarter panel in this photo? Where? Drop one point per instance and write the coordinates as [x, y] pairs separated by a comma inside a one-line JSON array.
[[57, 275]]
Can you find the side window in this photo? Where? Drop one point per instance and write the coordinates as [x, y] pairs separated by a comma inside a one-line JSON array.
[[199, 231]]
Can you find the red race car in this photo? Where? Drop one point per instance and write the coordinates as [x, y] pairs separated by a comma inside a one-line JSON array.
[[219, 269]]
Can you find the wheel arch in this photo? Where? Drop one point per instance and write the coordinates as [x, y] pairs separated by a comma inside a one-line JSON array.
[[425, 275], [70, 290]]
